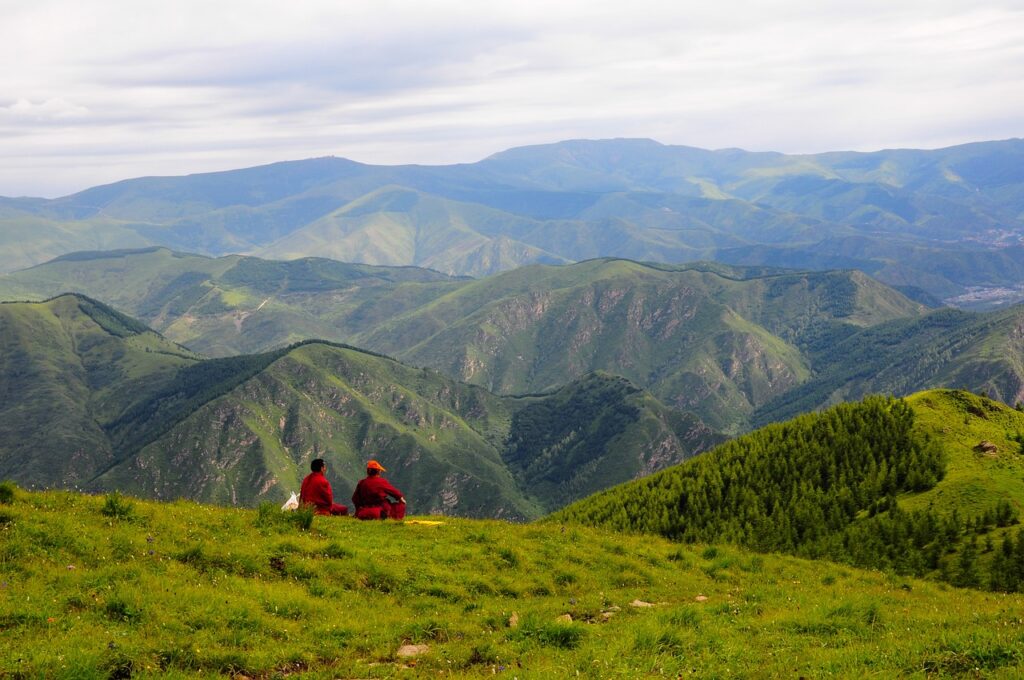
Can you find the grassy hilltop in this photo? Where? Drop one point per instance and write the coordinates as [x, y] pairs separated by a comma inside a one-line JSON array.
[[932, 485], [94, 587]]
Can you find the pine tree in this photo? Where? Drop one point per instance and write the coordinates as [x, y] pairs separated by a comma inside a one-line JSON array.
[[967, 575]]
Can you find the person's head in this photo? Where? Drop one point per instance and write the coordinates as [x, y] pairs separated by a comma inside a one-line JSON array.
[[317, 465], [373, 468]]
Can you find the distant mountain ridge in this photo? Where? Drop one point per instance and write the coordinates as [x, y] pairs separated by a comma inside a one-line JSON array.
[[907, 217]]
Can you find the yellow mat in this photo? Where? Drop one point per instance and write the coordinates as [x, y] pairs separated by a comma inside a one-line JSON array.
[[425, 522]]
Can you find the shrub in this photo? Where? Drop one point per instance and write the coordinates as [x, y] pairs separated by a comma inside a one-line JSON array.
[[337, 551], [7, 489], [117, 506], [118, 609], [549, 633], [303, 517], [270, 516]]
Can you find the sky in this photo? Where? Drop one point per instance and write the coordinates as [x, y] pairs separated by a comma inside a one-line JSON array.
[[94, 91]]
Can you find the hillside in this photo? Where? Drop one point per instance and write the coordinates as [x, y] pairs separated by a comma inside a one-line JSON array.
[[716, 340], [234, 305], [68, 367], [720, 341], [907, 217], [243, 429], [930, 486], [945, 348], [145, 589]]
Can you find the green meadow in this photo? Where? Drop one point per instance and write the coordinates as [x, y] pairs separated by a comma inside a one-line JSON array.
[[112, 587]]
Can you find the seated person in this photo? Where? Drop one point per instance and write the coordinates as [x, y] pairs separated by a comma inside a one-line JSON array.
[[371, 496], [316, 490]]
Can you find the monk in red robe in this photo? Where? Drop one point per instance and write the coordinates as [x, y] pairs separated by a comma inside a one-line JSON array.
[[316, 491], [372, 496]]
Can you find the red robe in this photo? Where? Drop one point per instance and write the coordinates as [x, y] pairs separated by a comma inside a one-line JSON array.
[[371, 499], [316, 490]]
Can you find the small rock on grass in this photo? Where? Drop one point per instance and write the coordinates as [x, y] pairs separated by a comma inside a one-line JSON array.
[[640, 603], [406, 651], [513, 621], [564, 618]]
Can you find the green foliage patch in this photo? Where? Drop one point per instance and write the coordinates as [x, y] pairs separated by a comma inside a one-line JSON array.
[[7, 492]]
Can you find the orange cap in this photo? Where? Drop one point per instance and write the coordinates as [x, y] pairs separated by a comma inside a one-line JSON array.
[[374, 465]]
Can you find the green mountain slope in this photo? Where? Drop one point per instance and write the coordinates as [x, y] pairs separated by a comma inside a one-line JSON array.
[[903, 215], [233, 305], [946, 348], [397, 226], [68, 366], [138, 414], [708, 338], [871, 483], [593, 433], [177, 589]]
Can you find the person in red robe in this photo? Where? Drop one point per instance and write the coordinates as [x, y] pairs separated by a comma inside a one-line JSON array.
[[371, 497], [316, 491]]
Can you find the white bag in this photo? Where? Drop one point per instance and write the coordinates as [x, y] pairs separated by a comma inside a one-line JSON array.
[[292, 503]]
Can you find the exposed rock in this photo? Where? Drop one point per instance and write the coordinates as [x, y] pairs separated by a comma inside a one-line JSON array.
[[406, 651], [701, 598], [564, 618], [513, 621], [986, 447], [640, 603]]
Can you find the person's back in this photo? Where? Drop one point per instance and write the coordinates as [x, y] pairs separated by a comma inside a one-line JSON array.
[[371, 497], [316, 491]]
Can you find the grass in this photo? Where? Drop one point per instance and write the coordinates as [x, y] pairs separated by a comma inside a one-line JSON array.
[[974, 481], [186, 590]]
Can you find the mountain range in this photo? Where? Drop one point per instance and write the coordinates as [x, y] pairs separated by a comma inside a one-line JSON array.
[[738, 346], [95, 400], [940, 224], [716, 340]]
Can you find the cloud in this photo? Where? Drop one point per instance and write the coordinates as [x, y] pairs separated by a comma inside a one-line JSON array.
[[224, 84], [56, 109]]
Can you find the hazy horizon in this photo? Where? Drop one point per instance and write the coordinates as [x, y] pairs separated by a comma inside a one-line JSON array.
[[103, 92]]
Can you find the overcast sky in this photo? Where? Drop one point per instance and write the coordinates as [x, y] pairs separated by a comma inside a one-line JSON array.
[[93, 91]]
